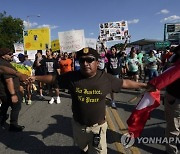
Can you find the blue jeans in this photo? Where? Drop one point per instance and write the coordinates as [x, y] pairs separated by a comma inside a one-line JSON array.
[[152, 73]]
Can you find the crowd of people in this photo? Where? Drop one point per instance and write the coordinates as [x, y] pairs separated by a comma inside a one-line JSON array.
[[88, 76]]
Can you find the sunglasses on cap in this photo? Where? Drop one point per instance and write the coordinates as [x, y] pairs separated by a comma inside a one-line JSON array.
[[87, 59]]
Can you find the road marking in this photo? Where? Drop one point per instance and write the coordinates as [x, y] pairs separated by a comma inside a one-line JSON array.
[[122, 128], [111, 126]]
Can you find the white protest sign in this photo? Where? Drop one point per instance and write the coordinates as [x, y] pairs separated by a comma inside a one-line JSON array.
[[31, 54], [19, 48], [91, 43], [71, 41]]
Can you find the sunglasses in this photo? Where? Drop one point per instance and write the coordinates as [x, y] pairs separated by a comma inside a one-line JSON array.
[[87, 59], [9, 54]]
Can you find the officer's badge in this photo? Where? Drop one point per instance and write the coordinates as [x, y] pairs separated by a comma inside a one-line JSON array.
[[85, 50]]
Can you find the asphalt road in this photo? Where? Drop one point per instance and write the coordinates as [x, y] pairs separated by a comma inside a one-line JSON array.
[[48, 127]]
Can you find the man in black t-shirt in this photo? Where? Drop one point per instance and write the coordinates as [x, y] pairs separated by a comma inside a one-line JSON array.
[[113, 67], [52, 67], [9, 93], [89, 87]]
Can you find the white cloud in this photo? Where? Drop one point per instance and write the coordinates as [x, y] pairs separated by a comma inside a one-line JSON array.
[[134, 21], [29, 24], [91, 33], [163, 11], [34, 24], [173, 18], [54, 27], [50, 26]]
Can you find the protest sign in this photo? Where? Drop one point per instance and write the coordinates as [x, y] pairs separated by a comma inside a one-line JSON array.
[[55, 45], [37, 39], [31, 54], [91, 43], [111, 31], [19, 48], [71, 41]]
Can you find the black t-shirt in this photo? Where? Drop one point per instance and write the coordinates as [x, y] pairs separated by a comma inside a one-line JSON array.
[[173, 89], [113, 65], [50, 65], [39, 69], [88, 94], [3, 86]]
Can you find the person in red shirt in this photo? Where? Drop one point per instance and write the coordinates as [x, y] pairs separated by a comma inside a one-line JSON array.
[[165, 57]]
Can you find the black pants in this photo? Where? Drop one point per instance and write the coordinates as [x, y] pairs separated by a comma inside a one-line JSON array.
[[15, 108]]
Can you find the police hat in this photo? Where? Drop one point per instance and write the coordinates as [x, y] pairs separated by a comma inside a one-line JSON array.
[[88, 52]]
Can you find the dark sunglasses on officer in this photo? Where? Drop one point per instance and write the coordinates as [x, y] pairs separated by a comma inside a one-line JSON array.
[[87, 59]]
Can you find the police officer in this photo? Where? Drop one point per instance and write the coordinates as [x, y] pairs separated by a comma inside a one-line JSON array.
[[89, 87]]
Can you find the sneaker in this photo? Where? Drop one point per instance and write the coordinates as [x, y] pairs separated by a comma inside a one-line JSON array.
[[24, 100], [15, 128], [113, 104], [29, 102], [58, 100], [51, 101], [41, 95]]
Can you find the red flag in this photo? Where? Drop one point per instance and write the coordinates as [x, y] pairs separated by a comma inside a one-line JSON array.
[[141, 114], [167, 77]]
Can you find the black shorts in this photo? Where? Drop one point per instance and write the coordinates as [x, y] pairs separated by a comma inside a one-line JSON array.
[[146, 72], [132, 73], [54, 85]]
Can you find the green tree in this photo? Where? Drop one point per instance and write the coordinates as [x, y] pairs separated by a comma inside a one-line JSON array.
[[11, 30], [119, 46]]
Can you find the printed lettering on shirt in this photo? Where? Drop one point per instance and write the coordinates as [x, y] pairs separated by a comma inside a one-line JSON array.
[[85, 95]]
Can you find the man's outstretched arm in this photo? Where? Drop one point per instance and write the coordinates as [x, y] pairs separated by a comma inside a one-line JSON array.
[[43, 78], [8, 70]]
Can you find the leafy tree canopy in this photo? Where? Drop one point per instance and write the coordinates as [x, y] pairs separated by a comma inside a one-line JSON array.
[[119, 46], [11, 31]]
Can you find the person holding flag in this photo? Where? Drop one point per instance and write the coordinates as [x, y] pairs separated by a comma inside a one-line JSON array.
[[171, 80]]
